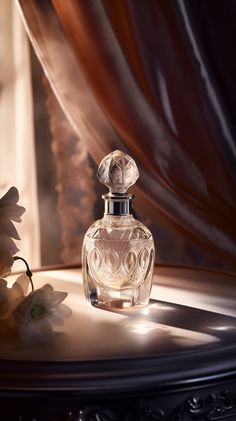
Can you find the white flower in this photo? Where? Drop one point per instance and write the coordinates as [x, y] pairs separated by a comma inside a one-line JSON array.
[[11, 297], [40, 311], [9, 211]]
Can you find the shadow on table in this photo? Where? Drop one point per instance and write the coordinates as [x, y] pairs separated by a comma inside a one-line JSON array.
[[221, 326]]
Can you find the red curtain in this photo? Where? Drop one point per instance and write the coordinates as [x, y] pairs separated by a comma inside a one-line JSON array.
[[130, 75]]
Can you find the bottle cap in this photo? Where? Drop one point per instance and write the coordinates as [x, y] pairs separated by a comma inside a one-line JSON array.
[[118, 171]]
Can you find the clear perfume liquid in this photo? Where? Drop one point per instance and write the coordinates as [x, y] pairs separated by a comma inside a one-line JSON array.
[[118, 258]]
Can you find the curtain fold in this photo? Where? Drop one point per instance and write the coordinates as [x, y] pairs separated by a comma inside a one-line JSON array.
[[132, 75], [17, 149]]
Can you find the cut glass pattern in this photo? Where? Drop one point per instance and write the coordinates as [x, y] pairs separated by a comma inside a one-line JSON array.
[[118, 172]]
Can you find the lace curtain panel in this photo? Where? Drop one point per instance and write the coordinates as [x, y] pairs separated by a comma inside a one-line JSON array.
[[135, 75], [75, 181]]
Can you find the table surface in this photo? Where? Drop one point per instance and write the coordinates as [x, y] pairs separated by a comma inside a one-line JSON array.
[[186, 333]]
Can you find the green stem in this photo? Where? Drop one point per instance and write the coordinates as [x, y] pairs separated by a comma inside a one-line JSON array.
[[28, 271]]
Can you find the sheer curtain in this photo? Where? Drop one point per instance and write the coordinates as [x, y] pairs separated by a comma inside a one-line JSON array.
[[16, 127], [134, 75]]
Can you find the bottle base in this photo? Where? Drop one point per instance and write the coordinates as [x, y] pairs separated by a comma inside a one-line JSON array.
[[119, 305], [117, 300]]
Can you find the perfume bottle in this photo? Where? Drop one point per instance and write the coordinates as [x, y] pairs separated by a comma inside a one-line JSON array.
[[118, 250]]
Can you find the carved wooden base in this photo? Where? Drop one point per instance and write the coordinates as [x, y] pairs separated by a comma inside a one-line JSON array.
[[211, 403]]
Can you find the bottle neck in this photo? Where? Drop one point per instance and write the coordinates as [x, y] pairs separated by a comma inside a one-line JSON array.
[[118, 204]]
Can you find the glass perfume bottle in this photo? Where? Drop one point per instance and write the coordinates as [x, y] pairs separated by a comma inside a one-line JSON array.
[[118, 250]]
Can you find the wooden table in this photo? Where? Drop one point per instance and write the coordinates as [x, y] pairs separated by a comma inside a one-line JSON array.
[[174, 360]]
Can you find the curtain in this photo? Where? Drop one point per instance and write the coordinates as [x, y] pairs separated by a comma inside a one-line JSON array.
[[75, 184], [135, 75], [17, 151]]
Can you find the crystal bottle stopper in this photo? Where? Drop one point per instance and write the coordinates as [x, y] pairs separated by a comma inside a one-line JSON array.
[[118, 171]]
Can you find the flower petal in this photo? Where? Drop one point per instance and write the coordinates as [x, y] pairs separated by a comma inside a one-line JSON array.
[[8, 205], [7, 228], [6, 262], [36, 332], [13, 212], [37, 297], [56, 318], [7, 246], [47, 288], [39, 312], [65, 310], [58, 297], [21, 284], [59, 314], [10, 298], [50, 296], [22, 311], [11, 197]]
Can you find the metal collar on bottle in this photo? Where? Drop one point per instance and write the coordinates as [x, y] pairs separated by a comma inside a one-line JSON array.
[[118, 204]]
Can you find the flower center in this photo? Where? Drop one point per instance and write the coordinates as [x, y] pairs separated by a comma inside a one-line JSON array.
[[38, 311]]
